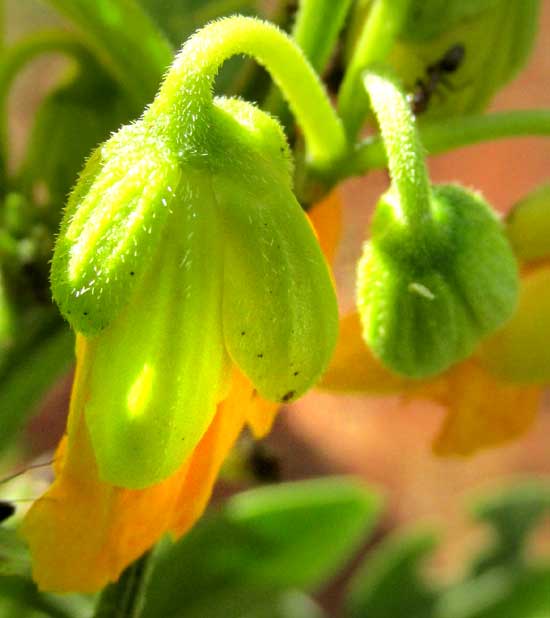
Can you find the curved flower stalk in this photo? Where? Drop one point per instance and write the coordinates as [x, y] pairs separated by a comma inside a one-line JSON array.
[[493, 396], [438, 273]]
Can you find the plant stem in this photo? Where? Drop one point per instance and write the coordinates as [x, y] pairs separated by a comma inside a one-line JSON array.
[[16, 57], [441, 136], [404, 151], [381, 28], [318, 24], [125, 597], [187, 90], [126, 40], [316, 28]]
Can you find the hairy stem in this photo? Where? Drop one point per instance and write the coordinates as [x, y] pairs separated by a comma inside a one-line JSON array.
[[187, 90], [13, 61], [381, 28], [452, 133], [403, 148]]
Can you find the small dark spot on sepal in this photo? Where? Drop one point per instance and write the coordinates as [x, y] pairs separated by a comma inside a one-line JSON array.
[[288, 396], [243, 333], [260, 355], [132, 273], [296, 373]]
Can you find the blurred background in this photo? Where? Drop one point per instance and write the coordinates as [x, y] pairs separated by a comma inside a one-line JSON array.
[[384, 441]]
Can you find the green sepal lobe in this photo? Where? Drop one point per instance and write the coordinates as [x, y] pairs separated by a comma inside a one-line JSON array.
[[279, 306], [160, 368], [113, 220]]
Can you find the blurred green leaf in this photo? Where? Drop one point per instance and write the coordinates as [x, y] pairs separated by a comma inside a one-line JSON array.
[[388, 584], [14, 556], [180, 19], [19, 598], [72, 120], [14, 59], [291, 604], [262, 542], [500, 593], [30, 373], [500, 583], [513, 514], [126, 40]]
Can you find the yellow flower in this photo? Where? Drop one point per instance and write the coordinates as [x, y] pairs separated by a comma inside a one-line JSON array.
[[490, 398], [84, 531]]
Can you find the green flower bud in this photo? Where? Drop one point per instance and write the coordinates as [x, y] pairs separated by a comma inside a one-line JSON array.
[[426, 299], [528, 225], [495, 38], [183, 248], [427, 19]]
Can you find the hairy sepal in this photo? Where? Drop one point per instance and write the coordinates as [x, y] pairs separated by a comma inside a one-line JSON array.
[[113, 221], [160, 368], [280, 315]]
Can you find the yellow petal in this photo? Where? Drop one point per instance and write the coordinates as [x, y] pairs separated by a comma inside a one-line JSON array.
[[83, 532], [260, 415], [520, 352], [208, 457], [326, 218], [482, 411], [354, 369]]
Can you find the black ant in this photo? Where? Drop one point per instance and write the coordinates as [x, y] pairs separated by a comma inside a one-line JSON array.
[[435, 77]]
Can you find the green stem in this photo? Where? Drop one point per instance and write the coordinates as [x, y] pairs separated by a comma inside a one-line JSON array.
[[318, 24], [187, 90], [15, 58], [125, 597], [382, 26], [316, 29], [404, 150], [452, 133], [126, 41]]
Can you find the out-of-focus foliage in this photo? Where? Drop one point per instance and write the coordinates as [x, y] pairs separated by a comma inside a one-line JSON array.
[[261, 553], [501, 581], [261, 545], [180, 19]]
